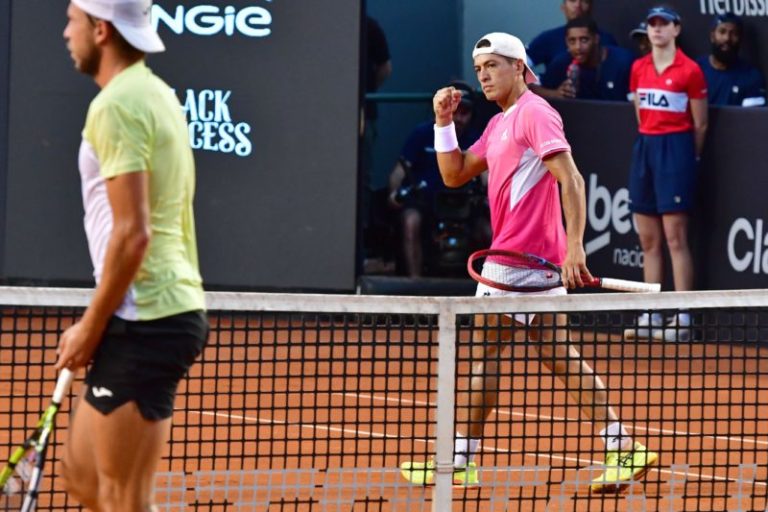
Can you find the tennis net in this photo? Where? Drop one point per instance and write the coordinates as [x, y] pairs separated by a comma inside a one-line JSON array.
[[312, 402]]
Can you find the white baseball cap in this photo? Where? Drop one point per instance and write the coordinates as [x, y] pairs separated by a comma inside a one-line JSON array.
[[130, 17], [507, 45]]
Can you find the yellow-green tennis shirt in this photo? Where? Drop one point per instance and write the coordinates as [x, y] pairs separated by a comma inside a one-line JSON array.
[[136, 124]]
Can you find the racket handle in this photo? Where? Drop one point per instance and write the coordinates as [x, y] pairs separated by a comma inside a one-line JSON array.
[[62, 385], [629, 286]]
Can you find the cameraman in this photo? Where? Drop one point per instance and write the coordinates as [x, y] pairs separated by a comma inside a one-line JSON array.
[[415, 181]]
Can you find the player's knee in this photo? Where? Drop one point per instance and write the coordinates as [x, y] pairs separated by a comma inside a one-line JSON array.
[[546, 351], [120, 495], [412, 222], [554, 357], [677, 242], [77, 488], [651, 243]]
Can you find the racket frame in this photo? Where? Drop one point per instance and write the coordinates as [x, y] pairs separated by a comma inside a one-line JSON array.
[[596, 282], [38, 442]]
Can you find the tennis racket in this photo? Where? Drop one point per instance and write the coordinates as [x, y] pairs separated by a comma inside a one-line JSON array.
[[522, 272], [27, 461]]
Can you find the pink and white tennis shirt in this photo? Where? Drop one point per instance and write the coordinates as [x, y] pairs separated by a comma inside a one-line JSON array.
[[523, 195]]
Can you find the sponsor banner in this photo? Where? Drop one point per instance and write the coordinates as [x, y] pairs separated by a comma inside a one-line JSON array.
[[603, 156], [211, 127], [729, 226], [270, 91], [619, 18], [5, 28], [210, 20]]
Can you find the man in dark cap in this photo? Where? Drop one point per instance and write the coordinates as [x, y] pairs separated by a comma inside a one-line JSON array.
[[639, 37], [730, 80], [415, 181]]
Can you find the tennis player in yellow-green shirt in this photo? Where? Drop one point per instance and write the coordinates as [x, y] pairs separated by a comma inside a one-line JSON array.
[[146, 323]]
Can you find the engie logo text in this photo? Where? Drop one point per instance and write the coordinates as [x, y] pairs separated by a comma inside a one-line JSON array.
[[210, 20], [211, 127]]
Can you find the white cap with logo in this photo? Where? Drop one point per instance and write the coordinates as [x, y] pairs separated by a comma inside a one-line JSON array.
[[506, 45], [130, 17]]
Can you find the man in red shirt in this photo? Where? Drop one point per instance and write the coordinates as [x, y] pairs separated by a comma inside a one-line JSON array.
[[671, 102]]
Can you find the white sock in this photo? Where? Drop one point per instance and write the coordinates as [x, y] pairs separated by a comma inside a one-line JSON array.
[[616, 438], [464, 450]]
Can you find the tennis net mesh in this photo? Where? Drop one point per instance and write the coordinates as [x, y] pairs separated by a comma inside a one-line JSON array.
[[312, 403]]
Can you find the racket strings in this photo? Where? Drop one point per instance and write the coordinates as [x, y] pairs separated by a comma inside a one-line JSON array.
[[22, 473]]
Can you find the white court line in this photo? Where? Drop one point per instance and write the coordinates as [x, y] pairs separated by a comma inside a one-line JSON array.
[[357, 432], [550, 456], [504, 412]]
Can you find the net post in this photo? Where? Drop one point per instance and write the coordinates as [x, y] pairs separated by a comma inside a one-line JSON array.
[[442, 493]]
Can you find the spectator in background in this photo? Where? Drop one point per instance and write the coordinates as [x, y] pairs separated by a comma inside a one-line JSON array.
[[415, 184], [588, 70], [639, 37], [378, 65], [373, 189], [730, 80], [550, 43], [671, 105]]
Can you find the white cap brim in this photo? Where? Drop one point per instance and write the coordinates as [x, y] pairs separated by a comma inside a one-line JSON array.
[[530, 76], [143, 38]]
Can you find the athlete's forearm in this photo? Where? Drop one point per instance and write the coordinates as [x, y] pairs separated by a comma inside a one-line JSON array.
[[699, 137], [572, 194], [126, 247], [700, 114], [574, 208], [451, 167], [125, 252]]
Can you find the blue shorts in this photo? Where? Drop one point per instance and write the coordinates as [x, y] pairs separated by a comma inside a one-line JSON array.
[[663, 174]]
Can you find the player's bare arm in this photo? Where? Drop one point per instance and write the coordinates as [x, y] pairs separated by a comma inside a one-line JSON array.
[[563, 168], [565, 90], [636, 102], [699, 112], [129, 198], [456, 168]]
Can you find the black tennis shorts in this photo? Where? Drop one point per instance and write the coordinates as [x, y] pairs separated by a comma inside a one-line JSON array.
[[143, 361]]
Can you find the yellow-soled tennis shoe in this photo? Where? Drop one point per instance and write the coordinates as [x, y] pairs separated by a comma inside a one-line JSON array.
[[423, 473], [623, 467]]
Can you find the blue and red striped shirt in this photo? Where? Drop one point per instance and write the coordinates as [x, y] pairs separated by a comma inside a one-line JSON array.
[[664, 99]]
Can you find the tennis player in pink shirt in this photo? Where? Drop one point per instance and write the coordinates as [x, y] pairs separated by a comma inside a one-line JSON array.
[[525, 152]]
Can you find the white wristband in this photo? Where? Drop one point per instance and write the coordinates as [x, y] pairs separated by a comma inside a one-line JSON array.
[[445, 138]]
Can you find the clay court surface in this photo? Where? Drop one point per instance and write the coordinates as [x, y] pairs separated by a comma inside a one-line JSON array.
[[316, 414]]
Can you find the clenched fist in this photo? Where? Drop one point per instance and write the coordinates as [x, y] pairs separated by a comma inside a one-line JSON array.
[[444, 103]]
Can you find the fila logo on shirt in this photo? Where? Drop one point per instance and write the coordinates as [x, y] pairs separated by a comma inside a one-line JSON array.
[[659, 99], [505, 135], [211, 20], [654, 99]]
